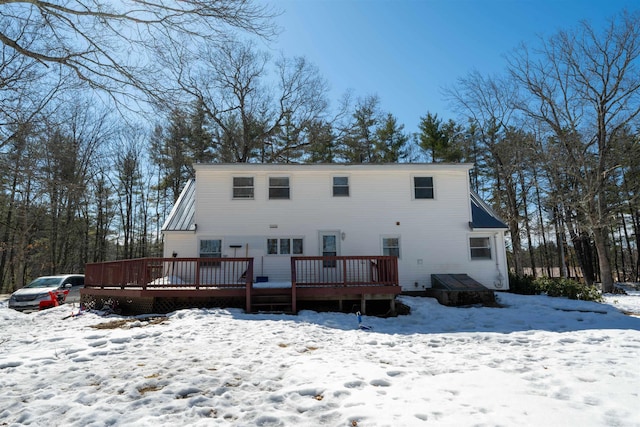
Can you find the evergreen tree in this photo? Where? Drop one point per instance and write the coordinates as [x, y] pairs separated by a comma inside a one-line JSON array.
[[321, 148], [392, 141]]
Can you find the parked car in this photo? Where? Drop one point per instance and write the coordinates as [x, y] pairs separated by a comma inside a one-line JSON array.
[[66, 288]]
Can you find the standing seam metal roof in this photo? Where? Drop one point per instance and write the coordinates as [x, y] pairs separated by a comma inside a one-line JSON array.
[[482, 216], [182, 215]]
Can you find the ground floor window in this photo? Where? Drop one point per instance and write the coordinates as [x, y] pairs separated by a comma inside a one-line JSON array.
[[391, 246], [285, 246], [480, 247], [211, 249]]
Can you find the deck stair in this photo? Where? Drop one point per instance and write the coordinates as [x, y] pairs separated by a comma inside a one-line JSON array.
[[272, 300]]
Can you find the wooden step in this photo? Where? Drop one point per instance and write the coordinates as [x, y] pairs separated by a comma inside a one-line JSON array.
[[279, 303]]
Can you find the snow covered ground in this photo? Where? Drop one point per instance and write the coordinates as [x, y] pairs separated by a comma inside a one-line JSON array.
[[538, 361]]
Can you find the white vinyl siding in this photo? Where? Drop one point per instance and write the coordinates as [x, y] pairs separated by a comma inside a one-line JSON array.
[[434, 236]]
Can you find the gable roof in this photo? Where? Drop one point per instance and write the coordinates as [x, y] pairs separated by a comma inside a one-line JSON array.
[[182, 215], [482, 216]]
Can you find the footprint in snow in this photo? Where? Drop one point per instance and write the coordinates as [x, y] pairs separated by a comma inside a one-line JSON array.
[[380, 383], [355, 384]]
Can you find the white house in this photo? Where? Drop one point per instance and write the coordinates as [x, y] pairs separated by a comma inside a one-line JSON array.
[[425, 214]]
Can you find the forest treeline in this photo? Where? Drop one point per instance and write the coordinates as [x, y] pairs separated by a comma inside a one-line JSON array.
[[95, 154]]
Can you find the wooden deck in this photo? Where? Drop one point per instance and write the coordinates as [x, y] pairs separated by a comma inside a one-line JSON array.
[[164, 284]]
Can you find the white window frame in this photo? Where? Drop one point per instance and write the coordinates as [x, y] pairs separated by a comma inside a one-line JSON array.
[[234, 187], [288, 187], [488, 247], [414, 188], [334, 186], [278, 242], [383, 246], [212, 264]]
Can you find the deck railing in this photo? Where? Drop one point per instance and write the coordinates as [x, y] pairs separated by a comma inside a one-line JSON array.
[[163, 273], [344, 271]]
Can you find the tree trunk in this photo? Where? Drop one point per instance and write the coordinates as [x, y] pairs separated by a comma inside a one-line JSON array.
[[600, 238]]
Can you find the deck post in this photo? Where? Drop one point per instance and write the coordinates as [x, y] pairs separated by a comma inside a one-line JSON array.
[[294, 298], [122, 272], [344, 272], [363, 304], [145, 273], [248, 297], [197, 274], [102, 274], [249, 284]]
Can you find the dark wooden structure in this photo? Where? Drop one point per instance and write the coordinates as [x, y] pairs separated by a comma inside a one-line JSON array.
[[459, 290], [164, 284]]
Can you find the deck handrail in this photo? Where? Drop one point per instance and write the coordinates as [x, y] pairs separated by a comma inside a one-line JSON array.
[[163, 273], [331, 271]]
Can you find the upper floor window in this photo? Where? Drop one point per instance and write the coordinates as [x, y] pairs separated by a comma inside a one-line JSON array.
[[423, 187], [340, 186], [243, 187], [279, 188], [480, 247]]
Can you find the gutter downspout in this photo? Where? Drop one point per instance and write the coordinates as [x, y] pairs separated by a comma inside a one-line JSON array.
[[500, 279]]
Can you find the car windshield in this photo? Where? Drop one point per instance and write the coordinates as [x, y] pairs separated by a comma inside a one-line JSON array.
[[44, 282]]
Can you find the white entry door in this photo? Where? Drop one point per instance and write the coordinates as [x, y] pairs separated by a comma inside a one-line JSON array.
[[329, 246]]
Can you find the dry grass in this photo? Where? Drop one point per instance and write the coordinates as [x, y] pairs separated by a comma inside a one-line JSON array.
[[125, 323]]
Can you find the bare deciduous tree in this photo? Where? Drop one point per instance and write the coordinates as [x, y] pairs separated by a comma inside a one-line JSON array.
[[488, 103], [248, 107], [584, 85], [109, 44]]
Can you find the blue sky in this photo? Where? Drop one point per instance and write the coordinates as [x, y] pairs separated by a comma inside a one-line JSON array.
[[406, 51]]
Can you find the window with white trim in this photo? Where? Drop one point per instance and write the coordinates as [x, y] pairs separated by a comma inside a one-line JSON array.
[[340, 186], [480, 248], [211, 249], [285, 246], [243, 187], [279, 187], [423, 187], [391, 246]]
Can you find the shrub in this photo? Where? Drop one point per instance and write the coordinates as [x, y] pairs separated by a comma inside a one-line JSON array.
[[522, 285], [553, 287]]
